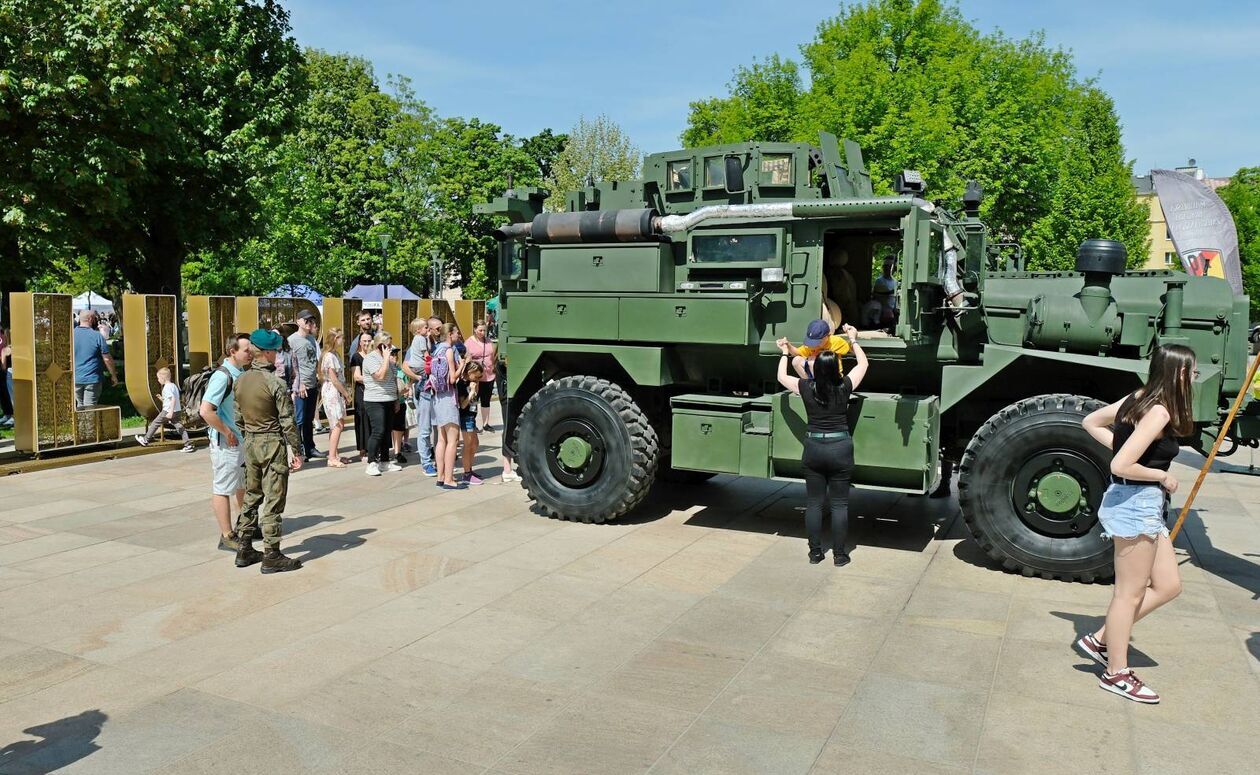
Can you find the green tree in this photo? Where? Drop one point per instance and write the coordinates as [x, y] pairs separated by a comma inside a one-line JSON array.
[[764, 104], [598, 149], [350, 171], [1242, 196], [134, 128], [469, 161], [921, 88], [1093, 192], [543, 148]]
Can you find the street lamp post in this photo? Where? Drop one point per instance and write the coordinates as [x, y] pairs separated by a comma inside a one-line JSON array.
[[384, 237], [436, 263]]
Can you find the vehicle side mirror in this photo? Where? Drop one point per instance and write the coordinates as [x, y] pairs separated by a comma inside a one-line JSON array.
[[734, 174]]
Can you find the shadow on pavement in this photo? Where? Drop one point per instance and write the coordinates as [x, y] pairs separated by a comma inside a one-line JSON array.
[[1230, 567], [880, 519], [1253, 645], [1083, 623], [294, 524], [64, 742], [327, 543]]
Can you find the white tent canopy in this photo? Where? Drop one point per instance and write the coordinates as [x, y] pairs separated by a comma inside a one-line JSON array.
[[91, 300]]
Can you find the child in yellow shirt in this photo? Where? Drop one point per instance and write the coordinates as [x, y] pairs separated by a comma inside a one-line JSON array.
[[818, 337]]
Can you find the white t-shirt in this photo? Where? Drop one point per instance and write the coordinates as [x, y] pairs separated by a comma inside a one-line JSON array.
[[170, 398]]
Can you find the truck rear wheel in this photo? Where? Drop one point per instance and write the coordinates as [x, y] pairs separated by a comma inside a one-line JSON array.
[[587, 450], [1029, 487]]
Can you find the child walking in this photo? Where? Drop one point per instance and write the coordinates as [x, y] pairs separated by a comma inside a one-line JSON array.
[[169, 415], [1142, 431]]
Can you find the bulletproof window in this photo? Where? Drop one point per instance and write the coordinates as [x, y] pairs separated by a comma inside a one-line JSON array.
[[715, 172], [678, 175], [732, 248], [776, 169]]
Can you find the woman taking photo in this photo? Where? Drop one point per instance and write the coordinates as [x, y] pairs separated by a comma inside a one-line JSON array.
[[481, 350], [828, 456], [334, 393], [1141, 430], [363, 346], [380, 394]]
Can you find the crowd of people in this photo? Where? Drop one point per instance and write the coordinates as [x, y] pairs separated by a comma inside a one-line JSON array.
[[261, 401]]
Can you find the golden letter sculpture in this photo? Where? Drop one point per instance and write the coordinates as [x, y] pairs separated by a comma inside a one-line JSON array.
[[396, 317], [43, 379], [468, 312], [211, 321], [151, 337], [343, 314]]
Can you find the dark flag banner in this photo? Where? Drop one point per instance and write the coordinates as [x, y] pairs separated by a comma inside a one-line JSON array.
[[1201, 227]]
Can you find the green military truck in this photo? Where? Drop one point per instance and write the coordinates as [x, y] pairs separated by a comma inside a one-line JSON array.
[[639, 329]]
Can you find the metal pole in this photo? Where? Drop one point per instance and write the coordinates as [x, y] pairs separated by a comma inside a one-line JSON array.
[[385, 272]]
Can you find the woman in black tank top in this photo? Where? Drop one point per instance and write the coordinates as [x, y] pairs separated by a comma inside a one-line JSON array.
[[1142, 431], [828, 454]]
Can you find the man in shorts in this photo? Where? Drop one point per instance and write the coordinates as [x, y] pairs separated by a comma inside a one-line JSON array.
[[218, 409]]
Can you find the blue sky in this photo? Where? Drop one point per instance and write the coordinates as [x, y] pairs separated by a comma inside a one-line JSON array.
[[1183, 74]]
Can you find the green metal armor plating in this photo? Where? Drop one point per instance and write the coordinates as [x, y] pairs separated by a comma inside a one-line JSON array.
[[639, 330]]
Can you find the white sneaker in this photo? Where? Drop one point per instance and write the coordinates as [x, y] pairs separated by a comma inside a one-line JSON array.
[[141, 440], [373, 469], [393, 467], [510, 477]]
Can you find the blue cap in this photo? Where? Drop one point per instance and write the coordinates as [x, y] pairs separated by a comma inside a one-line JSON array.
[[266, 340], [816, 333]]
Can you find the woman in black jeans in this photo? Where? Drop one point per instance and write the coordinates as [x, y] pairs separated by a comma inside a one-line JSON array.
[[828, 454]]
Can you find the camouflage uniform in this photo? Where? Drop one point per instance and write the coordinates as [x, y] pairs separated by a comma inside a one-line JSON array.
[[265, 413]]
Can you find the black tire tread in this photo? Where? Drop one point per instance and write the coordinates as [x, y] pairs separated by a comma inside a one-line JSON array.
[[645, 445], [1035, 405]]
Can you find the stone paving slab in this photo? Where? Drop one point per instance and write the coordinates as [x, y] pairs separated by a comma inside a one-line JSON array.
[[459, 633]]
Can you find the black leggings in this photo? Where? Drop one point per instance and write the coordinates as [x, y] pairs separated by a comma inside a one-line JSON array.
[[828, 470], [380, 422]]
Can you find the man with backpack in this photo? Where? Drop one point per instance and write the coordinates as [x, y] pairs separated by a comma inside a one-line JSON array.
[[218, 409]]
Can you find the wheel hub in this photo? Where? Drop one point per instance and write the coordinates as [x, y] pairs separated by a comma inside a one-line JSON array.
[[575, 452], [1056, 492], [1059, 492]]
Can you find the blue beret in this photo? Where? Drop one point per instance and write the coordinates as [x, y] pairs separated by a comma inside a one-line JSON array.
[[266, 340]]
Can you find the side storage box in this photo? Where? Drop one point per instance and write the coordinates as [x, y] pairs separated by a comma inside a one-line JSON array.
[[564, 317], [721, 434], [896, 439], [647, 268]]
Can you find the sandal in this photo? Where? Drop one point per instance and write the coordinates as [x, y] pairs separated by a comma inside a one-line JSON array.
[[336, 463]]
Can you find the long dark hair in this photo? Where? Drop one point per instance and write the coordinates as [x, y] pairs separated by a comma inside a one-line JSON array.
[[1170, 383], [827, 378]]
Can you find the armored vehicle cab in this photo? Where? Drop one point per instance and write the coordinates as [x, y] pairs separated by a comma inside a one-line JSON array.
[[639, 329]]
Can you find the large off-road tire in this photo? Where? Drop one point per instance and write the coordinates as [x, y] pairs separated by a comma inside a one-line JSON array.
[[587, 450], [1029, 487]]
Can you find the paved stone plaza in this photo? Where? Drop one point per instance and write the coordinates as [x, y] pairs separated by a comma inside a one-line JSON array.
[[459, 633]]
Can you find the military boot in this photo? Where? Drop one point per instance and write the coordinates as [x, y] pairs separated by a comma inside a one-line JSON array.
[[275, 562], [246, 555]]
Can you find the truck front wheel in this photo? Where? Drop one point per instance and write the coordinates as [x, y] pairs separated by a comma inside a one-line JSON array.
[[587, 450], [1029, 487]]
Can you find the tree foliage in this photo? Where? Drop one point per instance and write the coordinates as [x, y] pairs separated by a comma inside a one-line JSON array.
[[348, 173], [1242, 196], [597, 150], [470, 162], [921, 88], [133, 128]]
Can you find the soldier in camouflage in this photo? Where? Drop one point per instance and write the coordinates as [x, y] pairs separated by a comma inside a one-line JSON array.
[[265, 413]]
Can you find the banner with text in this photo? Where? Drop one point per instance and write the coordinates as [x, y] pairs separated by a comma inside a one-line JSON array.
[[1201, 227]]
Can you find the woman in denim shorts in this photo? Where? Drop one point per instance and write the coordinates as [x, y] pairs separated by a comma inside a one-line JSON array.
[[1142, 431]]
